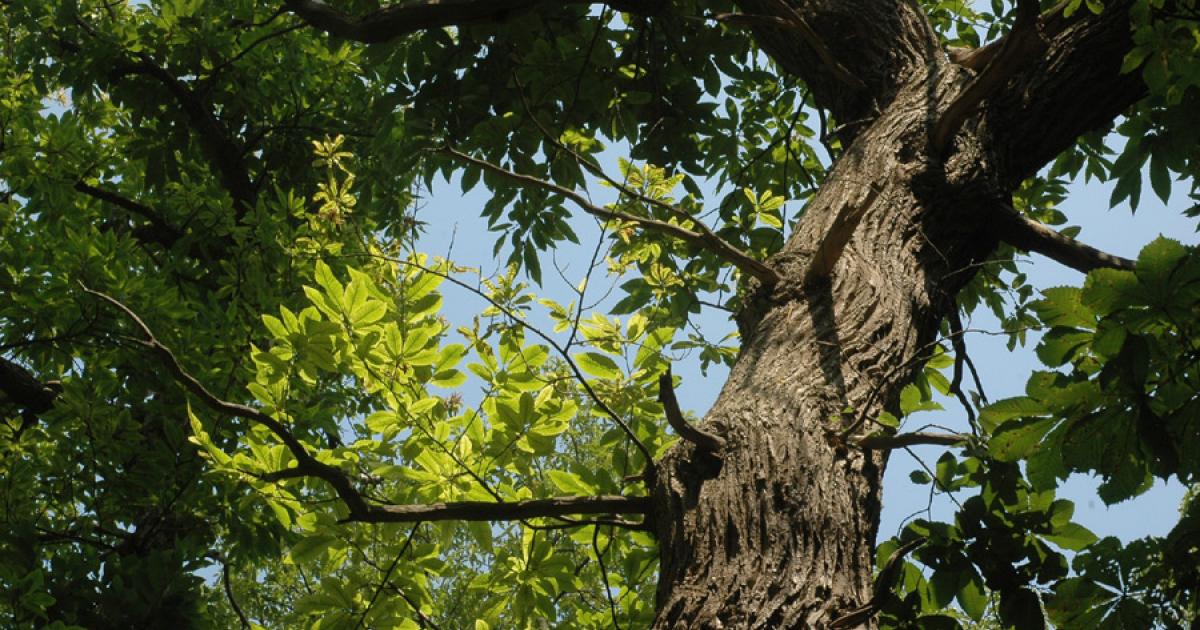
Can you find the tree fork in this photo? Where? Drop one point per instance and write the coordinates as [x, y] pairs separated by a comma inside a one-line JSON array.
[[781, 533]]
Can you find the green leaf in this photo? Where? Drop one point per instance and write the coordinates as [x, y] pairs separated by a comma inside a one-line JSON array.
[[1160, 177], [1063, 306], [973, 597], [570, 483], [1072, 536], [1021, 608], [1018, 439], [311, 547], [1000, 411], [598, 365]]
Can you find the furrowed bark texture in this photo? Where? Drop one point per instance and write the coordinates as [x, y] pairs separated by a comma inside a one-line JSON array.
[[777, 529]]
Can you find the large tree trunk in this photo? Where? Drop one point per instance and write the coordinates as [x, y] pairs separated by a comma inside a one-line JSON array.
[[777, 529]]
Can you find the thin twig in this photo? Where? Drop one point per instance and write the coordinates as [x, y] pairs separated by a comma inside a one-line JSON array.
[[705, 238], [960, 358], [387, 575], [612, 605], [883, 584], [625, 428]]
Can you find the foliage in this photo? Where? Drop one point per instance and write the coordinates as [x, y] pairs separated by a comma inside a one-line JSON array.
[[251, 188]]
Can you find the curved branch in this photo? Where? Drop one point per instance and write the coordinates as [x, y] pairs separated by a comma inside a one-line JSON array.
[[701, 438], [883, 584], [705, 240], [1024, 233], [225, 581], [330, 474], [162, 233], [514, 511]]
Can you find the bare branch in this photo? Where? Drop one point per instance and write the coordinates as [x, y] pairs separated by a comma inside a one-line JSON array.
[[517, 510], [705, 240], [701, 438], [1024, 233], [881, 442]]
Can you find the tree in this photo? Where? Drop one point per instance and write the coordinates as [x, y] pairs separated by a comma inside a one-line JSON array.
[[222, 349]]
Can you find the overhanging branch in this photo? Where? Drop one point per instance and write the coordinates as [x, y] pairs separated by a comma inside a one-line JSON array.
[[1024, 233]]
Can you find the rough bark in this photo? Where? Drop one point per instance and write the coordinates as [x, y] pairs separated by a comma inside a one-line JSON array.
[[777, 529]]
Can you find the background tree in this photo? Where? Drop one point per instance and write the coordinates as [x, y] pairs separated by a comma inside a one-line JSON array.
[[224, 356]]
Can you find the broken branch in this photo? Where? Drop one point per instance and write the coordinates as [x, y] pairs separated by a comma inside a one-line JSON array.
[[701, 438], [830, 249]]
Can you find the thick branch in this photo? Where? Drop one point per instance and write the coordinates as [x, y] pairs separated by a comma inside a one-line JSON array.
[[405, 18], [1022, 44], [161, 232], [1074, 87], [705, 240], [518, 510], [1024, 233], [814, 41], [21, 388], [666, 395], [881, 45]]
